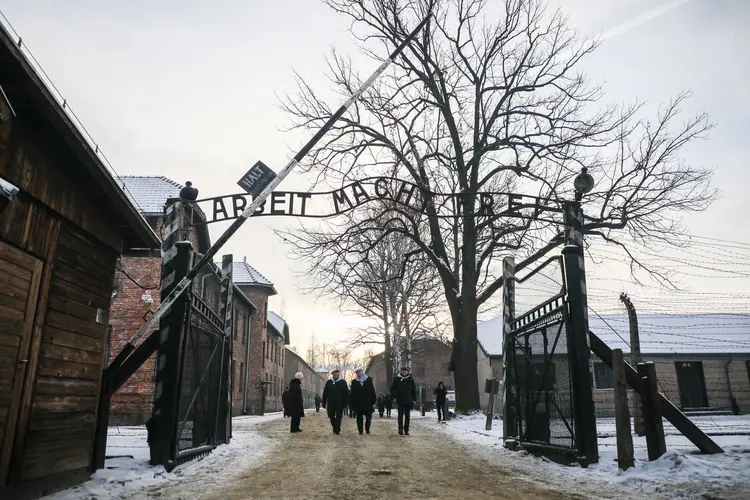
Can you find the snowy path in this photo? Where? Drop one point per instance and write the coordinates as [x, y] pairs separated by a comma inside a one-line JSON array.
[[318, 464], [458, 460]]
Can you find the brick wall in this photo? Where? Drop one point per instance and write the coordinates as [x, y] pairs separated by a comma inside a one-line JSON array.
[[131, 405], [242, 317], [265, 373]]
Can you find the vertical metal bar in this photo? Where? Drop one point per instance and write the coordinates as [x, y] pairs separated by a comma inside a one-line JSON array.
[[510, 426], [575, 280]]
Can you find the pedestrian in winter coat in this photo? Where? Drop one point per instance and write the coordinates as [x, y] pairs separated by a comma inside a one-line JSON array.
[[388, 404], [440, 394], [317, 403], [295, 406], [363, 399], [381, 405], [405, 391], [350, 405], [335, 394], [284, 396]]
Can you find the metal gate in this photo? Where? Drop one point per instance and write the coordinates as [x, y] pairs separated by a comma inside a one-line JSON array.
[[540, 375], [202, 408]]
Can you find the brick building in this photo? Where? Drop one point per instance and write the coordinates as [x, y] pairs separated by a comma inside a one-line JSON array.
[[430, 364], [136, 294], [265, 357], [312, 383]]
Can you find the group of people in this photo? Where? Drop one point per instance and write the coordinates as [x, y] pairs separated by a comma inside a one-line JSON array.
[[359, 398], [363, 399]]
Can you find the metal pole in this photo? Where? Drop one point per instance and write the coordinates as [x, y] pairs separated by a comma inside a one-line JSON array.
[[167, 302], [635, 358], [510, 427], [580, 353]]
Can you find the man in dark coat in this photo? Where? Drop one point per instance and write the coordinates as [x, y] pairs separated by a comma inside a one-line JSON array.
[[440, 394], [388, 404], [317, 403], [405, 391], [295, 407], [335, 394], [363, 399]]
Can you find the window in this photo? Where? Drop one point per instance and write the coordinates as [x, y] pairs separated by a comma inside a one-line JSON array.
[[603, 375]]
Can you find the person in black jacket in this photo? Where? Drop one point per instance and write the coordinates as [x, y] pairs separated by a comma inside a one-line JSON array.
[[381, 405], [317, 403], [440, 394], [284, 396], [388, 404], [363, 399], [335, 394], [405, 391], [295, 406]]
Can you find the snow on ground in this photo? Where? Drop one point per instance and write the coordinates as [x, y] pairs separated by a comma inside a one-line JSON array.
[[130, 471], [681, 473]]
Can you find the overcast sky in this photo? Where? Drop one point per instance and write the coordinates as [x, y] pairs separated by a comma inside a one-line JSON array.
[[188, 89]]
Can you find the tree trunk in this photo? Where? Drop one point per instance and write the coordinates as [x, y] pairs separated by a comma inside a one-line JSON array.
[[465, 362]]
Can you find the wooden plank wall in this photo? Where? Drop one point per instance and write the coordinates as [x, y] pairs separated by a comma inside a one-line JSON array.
[[61, 419]]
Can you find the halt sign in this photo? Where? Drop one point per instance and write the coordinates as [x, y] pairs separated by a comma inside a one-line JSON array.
[[256, 179]]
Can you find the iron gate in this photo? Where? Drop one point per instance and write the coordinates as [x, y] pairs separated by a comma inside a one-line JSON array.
[[540, 380], [202, 408]]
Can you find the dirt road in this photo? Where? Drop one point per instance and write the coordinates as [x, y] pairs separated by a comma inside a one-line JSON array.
[[318, 464]]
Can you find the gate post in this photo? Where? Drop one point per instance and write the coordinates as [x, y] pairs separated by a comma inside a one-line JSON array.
[[510, 424], [579, 350], [176, 257], [224, 410]]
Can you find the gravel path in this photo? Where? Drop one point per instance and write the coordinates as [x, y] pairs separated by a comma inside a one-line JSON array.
[[318, 464]]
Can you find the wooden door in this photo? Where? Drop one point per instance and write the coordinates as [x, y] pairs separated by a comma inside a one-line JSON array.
[[19, 286], [692, 384]]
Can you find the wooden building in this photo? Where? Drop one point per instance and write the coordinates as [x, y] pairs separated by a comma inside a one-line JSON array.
[[702, 360], [60, 237]]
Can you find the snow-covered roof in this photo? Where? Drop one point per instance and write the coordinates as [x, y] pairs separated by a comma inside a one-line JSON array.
[[677, 333], [277, 322], [490, 335], [149, 192], [245, 274], [659, 333]]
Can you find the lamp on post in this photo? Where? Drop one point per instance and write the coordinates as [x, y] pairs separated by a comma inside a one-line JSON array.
[[579, 350], [583, 183]]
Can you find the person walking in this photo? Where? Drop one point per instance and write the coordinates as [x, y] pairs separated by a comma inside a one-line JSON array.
[[440, 395], [317, 403], [295, 406], [381, 405], [363, 399], [350, 405], [284, 396], [405, 390], [388, 404], [335, 394]]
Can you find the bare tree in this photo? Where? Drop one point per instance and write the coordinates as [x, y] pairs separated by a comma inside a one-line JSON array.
[[493, 101], [373, 277]]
